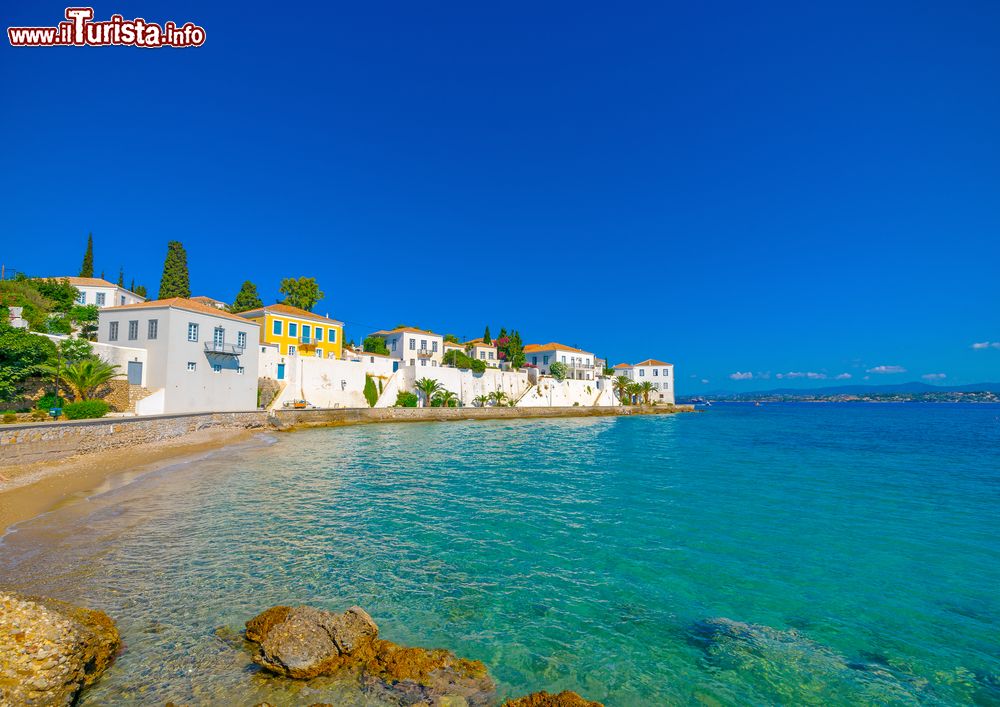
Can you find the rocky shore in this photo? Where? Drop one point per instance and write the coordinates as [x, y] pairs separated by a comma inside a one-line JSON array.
[[50, 650]]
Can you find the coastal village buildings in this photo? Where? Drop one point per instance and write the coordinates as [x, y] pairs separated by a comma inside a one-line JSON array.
[[211, 302], [94, 290], [483, 351], [412, 346], [297, 332], [198, 358], [579, 363], [659, 373]]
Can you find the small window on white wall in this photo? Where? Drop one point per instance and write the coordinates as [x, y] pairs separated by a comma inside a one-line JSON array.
[[217, 368], [192, 366]]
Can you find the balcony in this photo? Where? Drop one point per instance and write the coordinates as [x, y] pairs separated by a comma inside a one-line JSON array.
[[223, 349], [307, 342], [425, 353]]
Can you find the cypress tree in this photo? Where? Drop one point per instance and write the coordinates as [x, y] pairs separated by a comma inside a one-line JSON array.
[[87, 269], [175, 281], [121, 277], [247, 299], [486, 336]]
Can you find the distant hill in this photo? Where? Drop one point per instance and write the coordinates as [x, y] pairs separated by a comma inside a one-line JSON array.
[[911, 387]]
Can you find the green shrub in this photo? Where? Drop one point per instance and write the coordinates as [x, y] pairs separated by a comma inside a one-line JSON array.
[[436, 403], [39, 415], [49, 401], [86, 410], [558, 370], [405, 399], [478, 366], [9, 417], [371, 392]]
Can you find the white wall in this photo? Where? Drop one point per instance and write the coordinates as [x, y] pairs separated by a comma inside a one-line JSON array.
[[115, 355], [323, 382], [113, 296], [466, 384], [568, 393], [567, 357]]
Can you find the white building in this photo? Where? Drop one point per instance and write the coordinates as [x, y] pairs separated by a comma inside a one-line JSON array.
[[211, 302], [94, 290], [659, 373], [198, 358], [414, 347], [487, 353], [579, 364]]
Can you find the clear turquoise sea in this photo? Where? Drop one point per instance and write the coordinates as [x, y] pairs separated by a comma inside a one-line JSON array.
[[857, 545]]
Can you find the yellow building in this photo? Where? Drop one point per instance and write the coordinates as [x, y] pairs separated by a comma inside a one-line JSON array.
[[298, 332]]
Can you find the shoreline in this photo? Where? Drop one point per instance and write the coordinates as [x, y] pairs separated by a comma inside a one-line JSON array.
[[35, 489], [28, 490]]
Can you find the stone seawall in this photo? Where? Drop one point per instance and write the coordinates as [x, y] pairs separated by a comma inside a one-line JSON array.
[[292, 419], [51, 441]]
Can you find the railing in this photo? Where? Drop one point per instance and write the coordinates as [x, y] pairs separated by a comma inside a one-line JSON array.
[[307, 341], [425, 353], [224, 349]]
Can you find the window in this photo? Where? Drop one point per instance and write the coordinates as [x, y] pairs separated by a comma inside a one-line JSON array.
[[642, 372], [133, 330], [113, 331], [393, 342], [219, 337], [666, 372], [122, 298], [306, 332], [564, 359], [423, 344], [293, 329], [99, 299], [291, 350], [82, 297], [413, 344], [434, 364], [192, 366], [333, 338], [545, 360], [241, 339], [656, 372], [411, 362], [434, 346], [240, 370], [216, 368], [482, 355], [192, 331], [276, 327], [154, 325], [319, 352], [319, 333], [534, 360], [423, 362]]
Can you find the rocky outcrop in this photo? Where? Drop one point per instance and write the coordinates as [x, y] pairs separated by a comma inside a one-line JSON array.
[[49, 649], [304, 642], [566, 698]]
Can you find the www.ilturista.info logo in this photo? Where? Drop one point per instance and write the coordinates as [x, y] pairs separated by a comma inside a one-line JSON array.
[[80, 30]]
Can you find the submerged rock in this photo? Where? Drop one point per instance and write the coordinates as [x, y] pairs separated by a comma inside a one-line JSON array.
[[798, 669], [49, 649], [566, 698], [304, 642]]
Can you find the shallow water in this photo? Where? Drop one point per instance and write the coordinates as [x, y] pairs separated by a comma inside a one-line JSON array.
[[579, 554]]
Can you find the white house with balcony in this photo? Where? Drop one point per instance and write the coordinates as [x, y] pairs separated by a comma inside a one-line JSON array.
[[579, 363], [198, 358], [659, 373], [100, 292], [413, 347]]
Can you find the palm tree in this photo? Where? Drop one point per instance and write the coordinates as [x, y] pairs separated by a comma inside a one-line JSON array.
[[621, 387], [447, 398], [645, 388], [427, 386], [634, 390], [499, 398], [86, 376], [481, 400]]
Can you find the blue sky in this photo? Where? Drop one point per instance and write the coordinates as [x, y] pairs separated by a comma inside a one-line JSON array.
[[793, 188]]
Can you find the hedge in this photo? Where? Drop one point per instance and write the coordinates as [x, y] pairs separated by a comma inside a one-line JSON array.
[[86, 410]]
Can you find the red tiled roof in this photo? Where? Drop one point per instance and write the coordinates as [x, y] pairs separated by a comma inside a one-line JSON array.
[[534, 348], [288, 310]]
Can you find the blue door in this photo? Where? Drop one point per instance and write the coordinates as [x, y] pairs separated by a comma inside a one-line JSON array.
[[281, 371], [395, 366], [135, 372]]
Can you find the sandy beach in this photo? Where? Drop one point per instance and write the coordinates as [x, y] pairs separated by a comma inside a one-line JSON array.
[[31, 489]]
